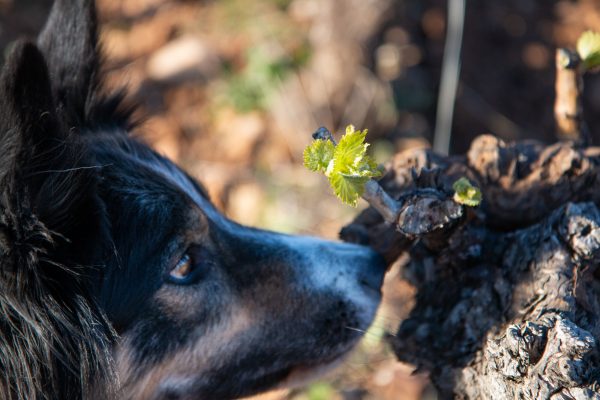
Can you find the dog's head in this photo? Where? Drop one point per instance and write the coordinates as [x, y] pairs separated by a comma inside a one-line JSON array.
[[114, 259]]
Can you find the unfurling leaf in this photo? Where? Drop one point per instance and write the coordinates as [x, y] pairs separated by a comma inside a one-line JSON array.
[[347, 165], [588, 48], [465, 193], [318, 155], [348, 188], [351, 150]]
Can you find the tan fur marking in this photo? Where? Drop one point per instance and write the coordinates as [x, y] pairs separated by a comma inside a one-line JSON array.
[[190, 362]]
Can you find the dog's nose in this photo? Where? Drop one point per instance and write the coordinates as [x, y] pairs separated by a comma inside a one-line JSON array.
[[372, 270], [360, 265]]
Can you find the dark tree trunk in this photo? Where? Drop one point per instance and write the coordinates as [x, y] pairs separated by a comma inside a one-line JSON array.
[[508, 296]]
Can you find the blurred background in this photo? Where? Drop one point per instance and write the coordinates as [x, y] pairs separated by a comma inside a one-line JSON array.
[[232, 90]]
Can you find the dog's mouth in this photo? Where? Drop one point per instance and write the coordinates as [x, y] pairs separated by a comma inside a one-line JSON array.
[[301, 374]]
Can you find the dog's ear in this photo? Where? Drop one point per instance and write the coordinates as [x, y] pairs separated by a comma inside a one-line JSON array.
[[43, 174], [27, 110], [69, 42], [53, 337]]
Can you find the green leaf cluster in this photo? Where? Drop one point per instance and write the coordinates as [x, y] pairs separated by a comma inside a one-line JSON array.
[[465, 193], [347, 165], [588, 48], [318, 155]]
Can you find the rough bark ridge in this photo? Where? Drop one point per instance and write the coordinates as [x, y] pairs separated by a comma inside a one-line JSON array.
[[508, 302]]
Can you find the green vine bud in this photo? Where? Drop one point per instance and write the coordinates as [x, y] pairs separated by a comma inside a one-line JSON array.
[[465, 193]]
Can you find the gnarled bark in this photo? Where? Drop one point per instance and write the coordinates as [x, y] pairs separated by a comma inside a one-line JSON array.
[[508, 296]]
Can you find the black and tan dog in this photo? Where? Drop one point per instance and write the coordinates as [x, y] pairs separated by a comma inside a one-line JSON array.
[[119, 279]]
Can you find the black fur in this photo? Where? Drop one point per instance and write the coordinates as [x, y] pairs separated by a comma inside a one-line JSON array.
[[92, 223], [54, 340], [70, 45]]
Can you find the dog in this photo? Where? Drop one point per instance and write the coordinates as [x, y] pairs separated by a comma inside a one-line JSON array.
[[119, 279]]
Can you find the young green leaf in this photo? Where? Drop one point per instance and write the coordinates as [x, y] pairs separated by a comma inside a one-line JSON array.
[[465, 193], [588, 48], [347, 165], [352, 167], [350, 151], [348, 188], [318, 155]]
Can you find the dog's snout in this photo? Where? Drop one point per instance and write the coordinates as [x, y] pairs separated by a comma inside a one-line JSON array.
[[372, 271], [367, 266], [343, 264]]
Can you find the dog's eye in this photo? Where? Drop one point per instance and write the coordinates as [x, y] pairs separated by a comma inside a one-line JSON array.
[[182, 270]]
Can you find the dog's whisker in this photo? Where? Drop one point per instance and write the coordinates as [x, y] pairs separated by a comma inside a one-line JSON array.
[[368, 332], [51, 171], [356, 329]]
